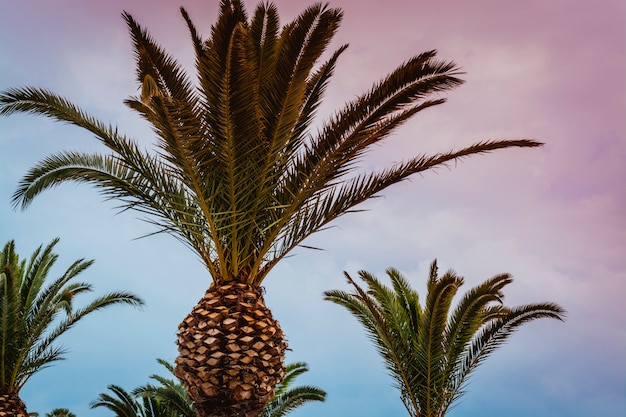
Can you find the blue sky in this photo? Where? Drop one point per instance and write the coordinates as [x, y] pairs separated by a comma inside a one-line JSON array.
[[554, 217]]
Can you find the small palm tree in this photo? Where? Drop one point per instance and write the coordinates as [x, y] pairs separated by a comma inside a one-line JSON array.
[[33, 314], [431, 350], [60, 412], [169, 398], [241, 173]]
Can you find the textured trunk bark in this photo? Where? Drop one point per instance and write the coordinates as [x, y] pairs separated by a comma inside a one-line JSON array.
[[231, 352], [12, 406]]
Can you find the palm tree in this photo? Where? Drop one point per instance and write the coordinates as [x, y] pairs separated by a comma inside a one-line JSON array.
[[33, 315], [169, 398], [60, 412], [241, 175], [431, 350]]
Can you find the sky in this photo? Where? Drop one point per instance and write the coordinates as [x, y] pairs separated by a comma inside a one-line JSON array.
[[554, 217]]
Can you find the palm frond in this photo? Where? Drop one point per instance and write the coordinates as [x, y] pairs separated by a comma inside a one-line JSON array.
[[474, 310], [288, 401], [170, 393], [393, 349], [336, 200], [122, 404], [153, 61], [496, 332]]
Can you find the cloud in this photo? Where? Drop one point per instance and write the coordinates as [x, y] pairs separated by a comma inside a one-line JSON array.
[[551, 216]]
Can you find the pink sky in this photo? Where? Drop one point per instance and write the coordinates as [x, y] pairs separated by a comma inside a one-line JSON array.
[[554, 217]]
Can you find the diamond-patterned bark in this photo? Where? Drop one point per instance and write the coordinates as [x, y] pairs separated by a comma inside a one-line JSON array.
[[12, 406], [231, 352]]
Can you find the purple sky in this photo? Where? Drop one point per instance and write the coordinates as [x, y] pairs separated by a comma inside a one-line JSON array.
[[554, 217]]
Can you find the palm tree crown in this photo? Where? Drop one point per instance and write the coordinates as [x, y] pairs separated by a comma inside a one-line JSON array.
[[33, 314], [431, 349], [60, 412], [240, 175]]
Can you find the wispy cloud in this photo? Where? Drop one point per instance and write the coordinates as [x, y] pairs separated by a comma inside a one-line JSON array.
[[553, 217]]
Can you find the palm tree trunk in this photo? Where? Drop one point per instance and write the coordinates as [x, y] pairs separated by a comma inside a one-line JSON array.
[[231, 352], [12, 406]]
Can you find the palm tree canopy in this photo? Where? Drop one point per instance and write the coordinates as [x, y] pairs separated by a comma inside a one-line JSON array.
[[431, 348], [34, 313], [60, 412], [240, 174]]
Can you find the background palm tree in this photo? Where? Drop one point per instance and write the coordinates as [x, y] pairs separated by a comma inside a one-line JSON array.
[[60, 412], [124, 404], [33, 314], [241, 175], [169, 399], [431, 349]]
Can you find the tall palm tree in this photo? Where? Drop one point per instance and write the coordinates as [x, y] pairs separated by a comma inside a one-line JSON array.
[[430, 350], [169, 399], [33, 314], [241, 173]]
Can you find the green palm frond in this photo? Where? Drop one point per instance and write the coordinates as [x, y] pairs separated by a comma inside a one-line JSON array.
[[431, 350], [123, 404], [477, 306], [169, 393], [500, 327], [292, 371], [34, 313], [241, 171], [383, 330], [292, 399]]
